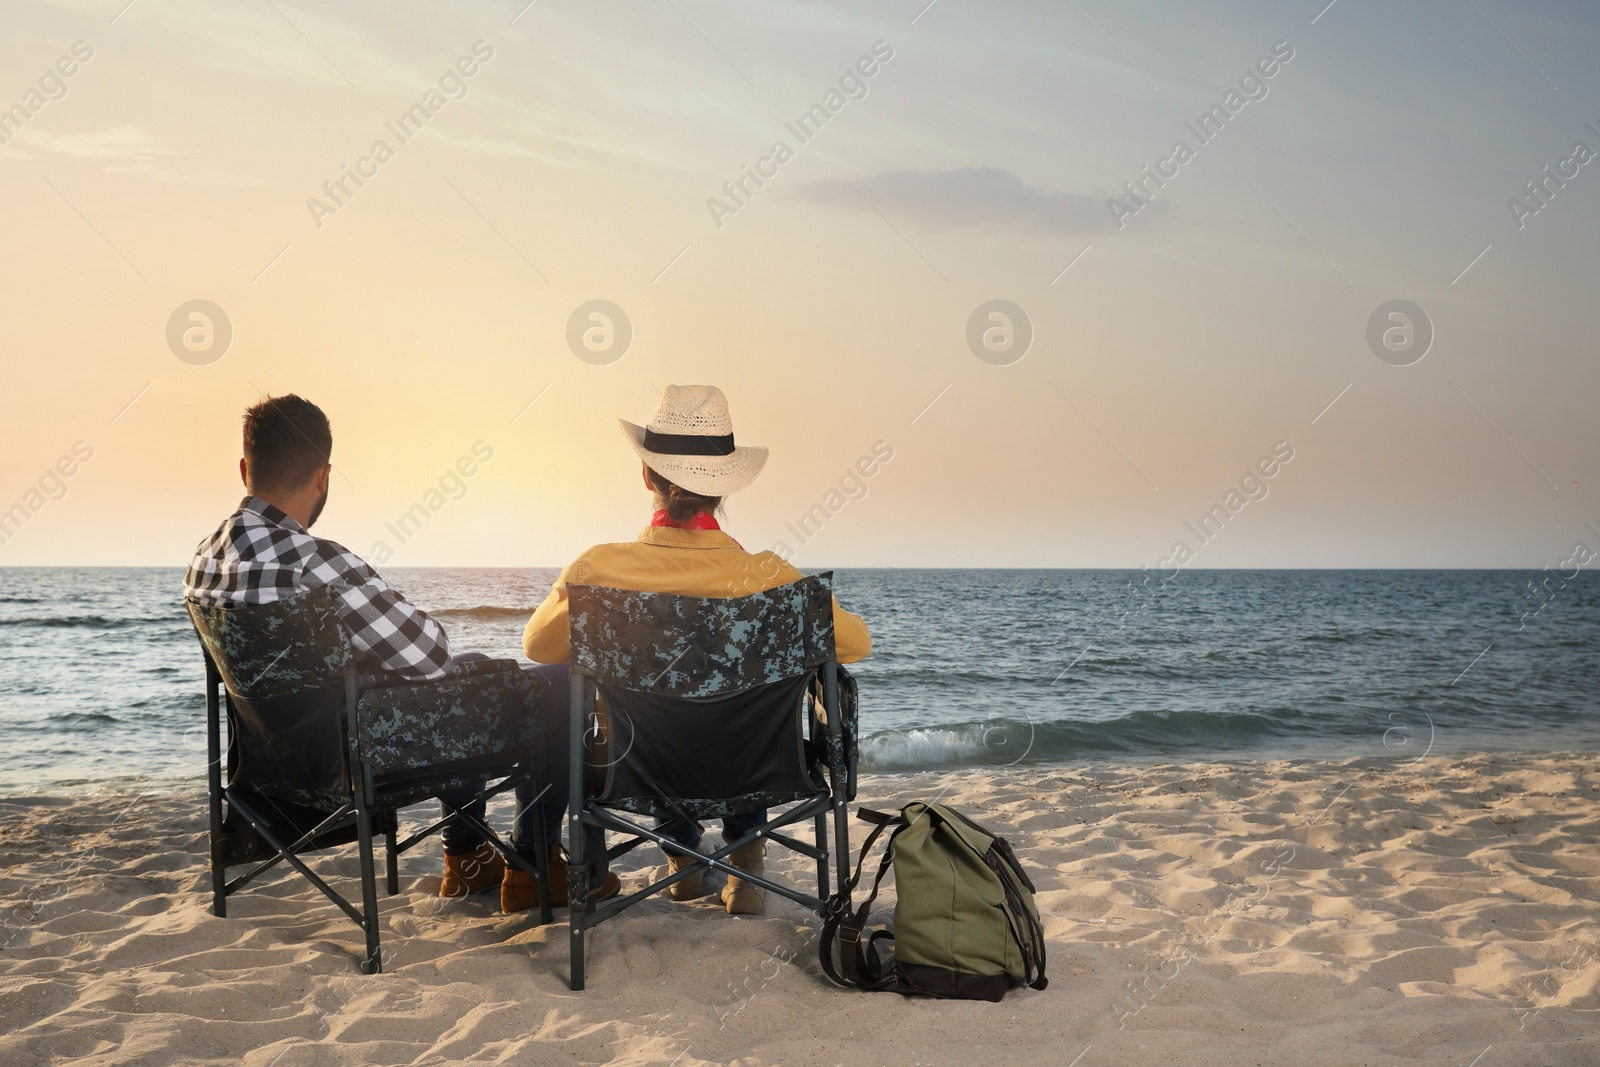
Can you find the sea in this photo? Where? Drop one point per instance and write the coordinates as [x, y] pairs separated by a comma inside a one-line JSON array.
[[101, 674]]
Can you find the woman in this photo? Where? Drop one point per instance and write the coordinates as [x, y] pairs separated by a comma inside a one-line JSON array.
[[691, 464]]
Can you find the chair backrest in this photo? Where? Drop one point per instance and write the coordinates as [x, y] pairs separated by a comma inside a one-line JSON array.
[[680, 646], [275, 649], [704, 696], [284, 665]]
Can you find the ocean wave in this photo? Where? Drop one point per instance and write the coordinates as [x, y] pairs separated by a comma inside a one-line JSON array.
[[482, 614], [1001, 742], [928, 746], [89, 621], [1363, 635], [937, 676], [77, 722]]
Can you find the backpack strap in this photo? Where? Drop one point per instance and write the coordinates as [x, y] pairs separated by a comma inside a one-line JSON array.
[[859, 964]]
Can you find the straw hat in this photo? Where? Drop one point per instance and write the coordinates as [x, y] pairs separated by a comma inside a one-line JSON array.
[[690, 442]]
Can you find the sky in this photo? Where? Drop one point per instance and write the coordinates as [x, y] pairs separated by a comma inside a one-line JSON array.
[[1159, 348]]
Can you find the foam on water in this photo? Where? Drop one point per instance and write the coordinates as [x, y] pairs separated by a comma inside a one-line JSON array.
[[922, 747]]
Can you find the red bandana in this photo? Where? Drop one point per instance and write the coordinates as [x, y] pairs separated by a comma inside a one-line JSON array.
[[700, 521]]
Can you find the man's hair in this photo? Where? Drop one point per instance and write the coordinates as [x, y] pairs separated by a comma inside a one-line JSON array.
[[680, 504], [286, 440]]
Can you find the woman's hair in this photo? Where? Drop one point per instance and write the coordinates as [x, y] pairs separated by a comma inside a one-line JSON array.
[[680, 504]]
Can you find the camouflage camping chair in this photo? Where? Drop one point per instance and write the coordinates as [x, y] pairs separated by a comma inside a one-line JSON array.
[[319, 755], [712, 707]]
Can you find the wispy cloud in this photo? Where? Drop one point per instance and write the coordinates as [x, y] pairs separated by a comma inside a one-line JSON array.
[[978, 198], [125, 143]]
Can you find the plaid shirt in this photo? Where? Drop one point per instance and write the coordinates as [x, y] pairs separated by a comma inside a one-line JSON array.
[[260, 555]]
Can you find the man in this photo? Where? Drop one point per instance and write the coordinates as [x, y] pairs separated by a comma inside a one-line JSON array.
[[264, 552]]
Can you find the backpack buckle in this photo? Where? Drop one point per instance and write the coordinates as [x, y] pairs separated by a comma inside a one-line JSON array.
[[850, 934]]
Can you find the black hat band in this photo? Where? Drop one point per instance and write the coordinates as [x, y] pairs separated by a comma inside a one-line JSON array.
[[688, 444]]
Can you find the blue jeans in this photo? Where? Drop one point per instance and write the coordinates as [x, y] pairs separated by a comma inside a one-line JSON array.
[[547, 802], [684, 833]]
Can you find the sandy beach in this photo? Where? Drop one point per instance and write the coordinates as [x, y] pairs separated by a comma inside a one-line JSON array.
[[1439, 911]]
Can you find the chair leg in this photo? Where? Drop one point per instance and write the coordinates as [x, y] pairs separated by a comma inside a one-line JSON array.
[[577, 896], [577, 862], [541, 866], [219, 878], [841, 834], [219, 870], [575, 983], [837, 776], [392, 864], [821, 861], [373, 964]]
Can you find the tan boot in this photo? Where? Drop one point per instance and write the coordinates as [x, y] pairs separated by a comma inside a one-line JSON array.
[[471, 872], [519, 890], [691, 888], [742, 897]]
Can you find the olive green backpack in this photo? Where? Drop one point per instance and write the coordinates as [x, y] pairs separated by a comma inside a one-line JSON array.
[[965, 925]]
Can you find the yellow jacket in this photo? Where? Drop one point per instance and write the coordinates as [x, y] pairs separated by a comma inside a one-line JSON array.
[[703, 563]]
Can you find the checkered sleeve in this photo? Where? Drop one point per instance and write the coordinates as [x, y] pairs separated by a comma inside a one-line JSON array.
[[382, 623]]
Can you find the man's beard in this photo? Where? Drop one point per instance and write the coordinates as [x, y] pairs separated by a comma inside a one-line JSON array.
[[316, 510]]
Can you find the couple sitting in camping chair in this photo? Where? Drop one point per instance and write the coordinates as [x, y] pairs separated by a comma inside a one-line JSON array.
[[677, 676]]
